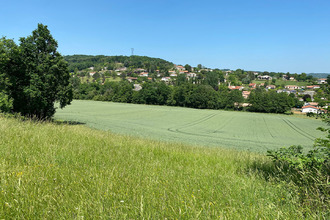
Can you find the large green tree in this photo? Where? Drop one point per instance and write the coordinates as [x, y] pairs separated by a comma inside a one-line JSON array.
[[38, 75], [9, 55]]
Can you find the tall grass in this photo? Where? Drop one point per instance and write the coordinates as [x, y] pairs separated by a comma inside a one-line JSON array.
[[62, 171]]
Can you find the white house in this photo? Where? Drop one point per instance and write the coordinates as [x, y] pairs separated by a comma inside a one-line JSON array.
[[322, 81], [166, 79], [265, 77], [191, 75], [137, 87], [145, 74], [292, 87], [313, 109]]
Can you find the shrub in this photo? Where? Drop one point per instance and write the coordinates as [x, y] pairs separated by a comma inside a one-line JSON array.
[[6, 103], [309, 172]]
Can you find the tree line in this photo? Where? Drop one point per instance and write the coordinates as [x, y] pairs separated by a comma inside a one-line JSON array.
[[185, 94]]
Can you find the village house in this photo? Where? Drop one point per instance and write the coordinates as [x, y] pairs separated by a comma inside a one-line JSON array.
[[292, 78], [322, 81], [92, 73], [313, 87], [265, 77], [236, 87], [291, 87], [246, 94], [180, 68], [252, 85], [144, 74], [311, 103], [166, 79], [137, 87], [131, 79], [271, 87], [313, 109], [191, 75], [121, 69], [139, 70], [173, 75]]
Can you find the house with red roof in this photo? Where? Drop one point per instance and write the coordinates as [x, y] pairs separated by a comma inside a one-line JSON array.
[[322, 81], [246, 94], [145, 74], [252, 85], [236, 87], [311, 108]]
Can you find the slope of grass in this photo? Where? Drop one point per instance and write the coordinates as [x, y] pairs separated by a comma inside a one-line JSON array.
[[59, 171], [240, 130]]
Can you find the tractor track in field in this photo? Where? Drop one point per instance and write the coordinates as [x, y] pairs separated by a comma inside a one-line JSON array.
[[226, 122], [267, 127], [190, 124], [179, 131], [298, 130], [220, 138]]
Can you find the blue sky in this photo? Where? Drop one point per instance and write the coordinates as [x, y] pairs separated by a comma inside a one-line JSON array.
[[265, 35]]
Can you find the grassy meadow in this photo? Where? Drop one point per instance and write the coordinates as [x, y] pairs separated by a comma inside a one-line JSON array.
[[65, 171], [216, 128]]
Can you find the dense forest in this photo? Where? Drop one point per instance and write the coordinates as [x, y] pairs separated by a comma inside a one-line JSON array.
[[80, 62]]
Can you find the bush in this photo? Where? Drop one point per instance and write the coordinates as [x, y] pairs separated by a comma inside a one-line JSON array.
[[309, 172], [6, 103]]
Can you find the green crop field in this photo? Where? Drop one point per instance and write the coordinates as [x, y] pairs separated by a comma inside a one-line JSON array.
[[239, 130]]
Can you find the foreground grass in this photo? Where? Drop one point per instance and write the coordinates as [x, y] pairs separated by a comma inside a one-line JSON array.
[[73, 172]]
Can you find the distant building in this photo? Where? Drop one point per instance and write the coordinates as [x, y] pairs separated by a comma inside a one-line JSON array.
[[246, 94], [166, 79], [271, 87], [236, 87], [144, 74], [131, 79], [191, 75], [292, 87], [180, 68], [313, 109], [252, 85], [322, 81], [121, 69], [137, 87], [265, 77]]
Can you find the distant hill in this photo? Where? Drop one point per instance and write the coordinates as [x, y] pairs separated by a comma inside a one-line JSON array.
[[319, 75], [150, 64]]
